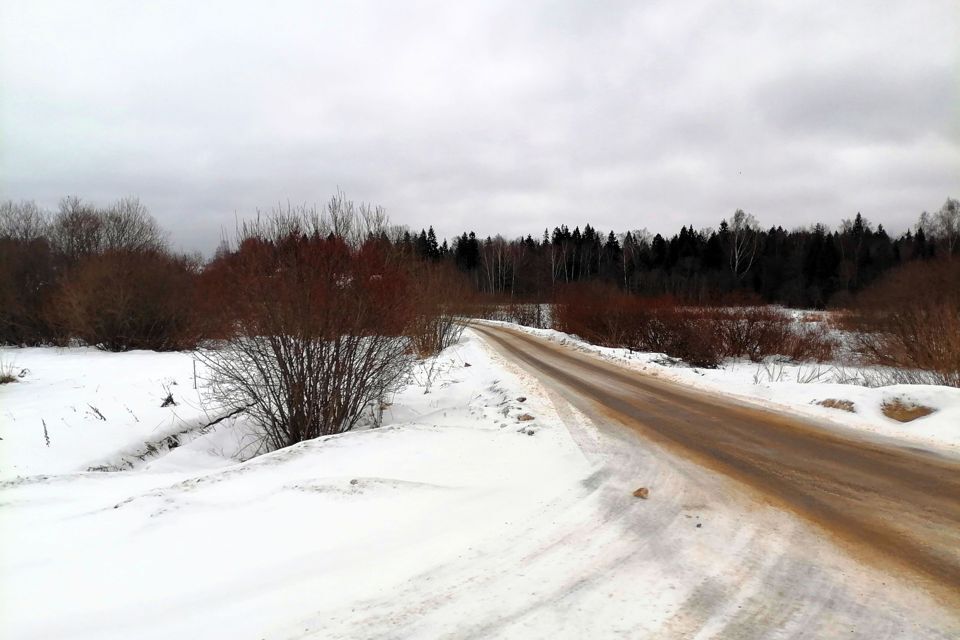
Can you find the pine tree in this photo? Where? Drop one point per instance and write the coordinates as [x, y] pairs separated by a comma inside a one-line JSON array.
[[432, 250]]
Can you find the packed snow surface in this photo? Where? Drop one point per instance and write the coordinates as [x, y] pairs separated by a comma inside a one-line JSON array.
[[460, 517], [800, 388]]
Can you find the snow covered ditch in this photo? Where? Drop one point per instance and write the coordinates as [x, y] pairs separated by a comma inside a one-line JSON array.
[[220, 546], [83, 409], [835, 394], [488, 507]]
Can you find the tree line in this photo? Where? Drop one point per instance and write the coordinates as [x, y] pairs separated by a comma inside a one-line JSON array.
[[804, 268], [107, 275]]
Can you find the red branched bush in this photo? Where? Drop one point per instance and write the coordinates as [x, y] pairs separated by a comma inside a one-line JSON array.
[[610, 318], [27, 282], [759, 332], [701, 336], [314, 330], [442, 300], [910, 321], [122, 300]]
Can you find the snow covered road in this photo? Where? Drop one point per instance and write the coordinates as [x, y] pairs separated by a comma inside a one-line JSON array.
[[904, 502], [459, 518]]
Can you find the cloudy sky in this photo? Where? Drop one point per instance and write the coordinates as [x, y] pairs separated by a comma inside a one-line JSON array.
[[494, 116]]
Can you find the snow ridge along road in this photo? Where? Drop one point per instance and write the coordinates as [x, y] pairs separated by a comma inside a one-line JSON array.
[[898, 507]]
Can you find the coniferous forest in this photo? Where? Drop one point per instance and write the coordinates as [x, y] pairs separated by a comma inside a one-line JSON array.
[[739, 260]]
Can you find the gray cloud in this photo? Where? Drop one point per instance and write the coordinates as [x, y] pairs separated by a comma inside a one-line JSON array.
[[493, 116], [863, 103]]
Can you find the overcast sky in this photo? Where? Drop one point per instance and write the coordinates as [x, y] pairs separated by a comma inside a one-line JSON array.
[[494, 116]]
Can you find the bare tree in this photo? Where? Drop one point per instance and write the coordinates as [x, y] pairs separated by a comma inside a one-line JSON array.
[[494, 261], [128, 226], [342, 218], [374, 221], [80, 229], [632, 243], [559, 252], [22, 221], [743, 242], [77, 229], [944, 225]]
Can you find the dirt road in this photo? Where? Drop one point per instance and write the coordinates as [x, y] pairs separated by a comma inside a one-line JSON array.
[[896, 507]]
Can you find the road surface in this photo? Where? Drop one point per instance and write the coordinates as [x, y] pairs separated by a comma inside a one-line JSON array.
[[895, 507]]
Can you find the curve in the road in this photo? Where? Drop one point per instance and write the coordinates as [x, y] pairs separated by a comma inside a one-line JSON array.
[[894, 504]]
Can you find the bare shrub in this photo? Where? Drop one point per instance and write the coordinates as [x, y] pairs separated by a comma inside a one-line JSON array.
[[910, 321], [701, 336], [27, 273], [504, 308], [527, 314], [809, 342], [770, 370], [753, 333], [587, 310], [122, 300], [316, 329], [689, 334], [27, 281], [604, 316], [441, 299], [759, 332], [813, 375], [7, 374]]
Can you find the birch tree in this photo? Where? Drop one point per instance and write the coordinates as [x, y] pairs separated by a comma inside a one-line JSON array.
[[743, 242]]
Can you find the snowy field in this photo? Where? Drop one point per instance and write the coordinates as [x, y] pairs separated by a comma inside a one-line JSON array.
[[460, 517], [800, 388]]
